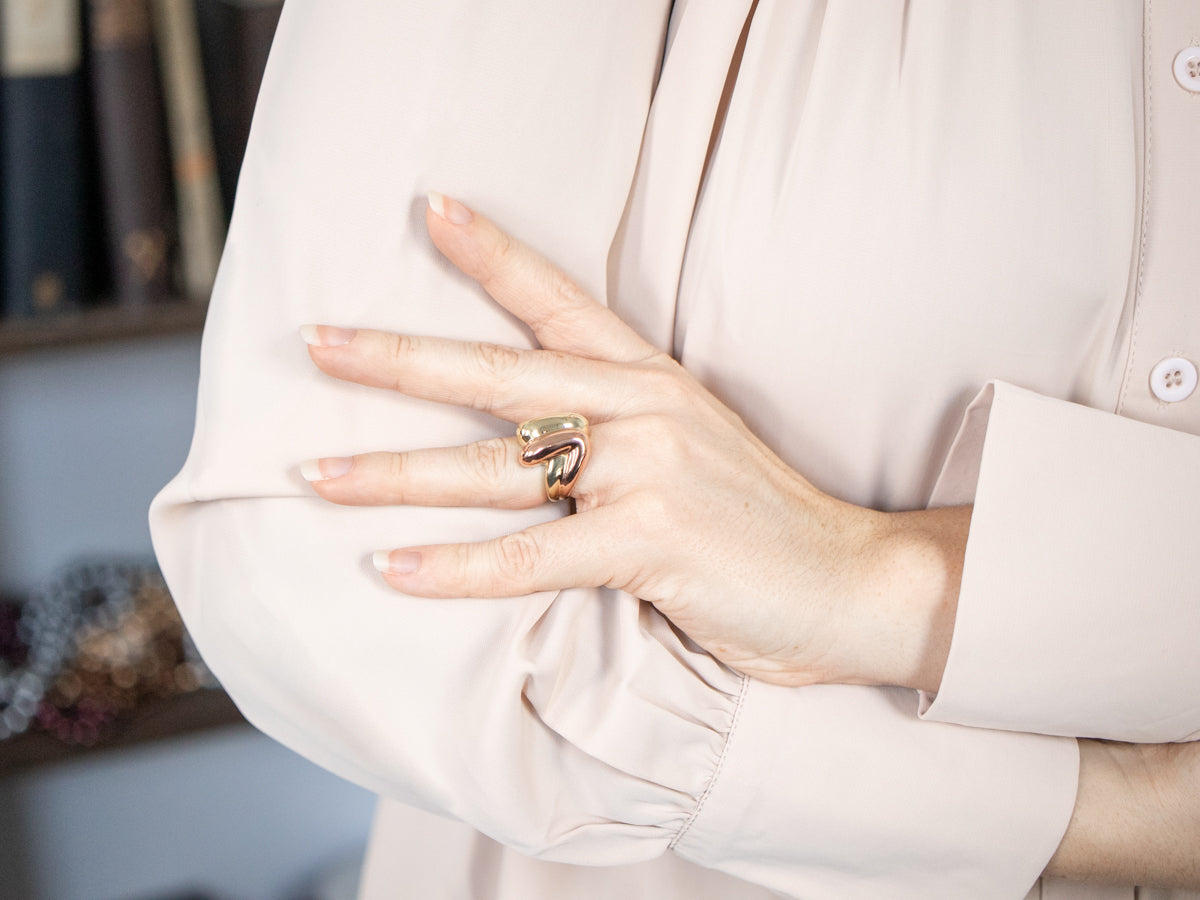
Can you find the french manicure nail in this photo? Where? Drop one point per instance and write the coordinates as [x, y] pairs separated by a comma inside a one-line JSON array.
[[326, 468], [396, 562], [449, 209], [326, 335]]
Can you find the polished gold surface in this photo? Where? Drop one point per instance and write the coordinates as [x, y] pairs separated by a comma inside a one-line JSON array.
[[535, 428], [561, 442]]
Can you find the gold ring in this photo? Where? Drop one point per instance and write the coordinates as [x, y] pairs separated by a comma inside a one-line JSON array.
[[561, 442]]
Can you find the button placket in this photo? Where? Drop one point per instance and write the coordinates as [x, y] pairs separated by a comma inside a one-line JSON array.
[[1164, 335]]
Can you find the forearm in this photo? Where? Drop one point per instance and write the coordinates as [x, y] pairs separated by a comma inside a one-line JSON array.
[[1137, 813], [1136, 818]]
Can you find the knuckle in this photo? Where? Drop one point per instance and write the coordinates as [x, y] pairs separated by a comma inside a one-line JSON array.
[[671, 384], [487, 461], [395, 469], [659, 360], [495, 360], [402, 348], [569, 294], [659, 388], [402, 351], [660, 438], [504, 248], [383, 478], [517, 556], [651, 510], [561, 318], [586, 497], [497, 259]]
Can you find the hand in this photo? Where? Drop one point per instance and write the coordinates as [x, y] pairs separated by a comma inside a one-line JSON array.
[[680, 504]]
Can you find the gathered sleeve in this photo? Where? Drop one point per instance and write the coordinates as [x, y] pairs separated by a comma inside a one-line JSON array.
[[578, 726]]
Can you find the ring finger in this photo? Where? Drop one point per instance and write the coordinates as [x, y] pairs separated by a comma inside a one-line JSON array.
[[483, 474]]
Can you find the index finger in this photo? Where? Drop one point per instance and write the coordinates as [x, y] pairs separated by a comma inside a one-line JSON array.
[[563, 317]]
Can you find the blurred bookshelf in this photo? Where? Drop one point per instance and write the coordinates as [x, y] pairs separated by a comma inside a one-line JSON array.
[[97, 658], [122, 129], [100, 324], [197, 711]]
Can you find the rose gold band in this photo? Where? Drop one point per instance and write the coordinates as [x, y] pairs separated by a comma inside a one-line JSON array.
[[561, 442]]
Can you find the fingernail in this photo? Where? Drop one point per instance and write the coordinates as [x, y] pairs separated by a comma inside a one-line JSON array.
[[326, 335], [449, 209], [326, 468], [396, 562]]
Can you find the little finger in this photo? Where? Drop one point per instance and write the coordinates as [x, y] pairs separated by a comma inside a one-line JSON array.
[[585, 550]]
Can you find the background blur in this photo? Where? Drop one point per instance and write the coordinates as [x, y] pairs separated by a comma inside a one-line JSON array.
[[87, 436], [174, 796]]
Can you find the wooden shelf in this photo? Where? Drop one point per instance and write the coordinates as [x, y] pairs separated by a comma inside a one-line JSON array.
[[188, 713], [100, 323]]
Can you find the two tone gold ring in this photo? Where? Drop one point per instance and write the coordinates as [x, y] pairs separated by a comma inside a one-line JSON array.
[[559, 442]]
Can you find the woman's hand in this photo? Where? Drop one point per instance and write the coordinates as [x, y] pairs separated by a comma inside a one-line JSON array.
[[679, 505]]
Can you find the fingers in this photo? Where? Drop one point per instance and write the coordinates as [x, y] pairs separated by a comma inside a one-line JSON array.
[[561, 315], [483, 474], [591, 363], [508, 383], [588, 365], [583, 550]]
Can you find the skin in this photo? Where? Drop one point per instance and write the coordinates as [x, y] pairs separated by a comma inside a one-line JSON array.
[[843, 594], [1136, 817]]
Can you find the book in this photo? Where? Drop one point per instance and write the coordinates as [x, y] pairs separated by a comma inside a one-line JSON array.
[[42, 157], [132, 149], [197, 192], [235, 40]]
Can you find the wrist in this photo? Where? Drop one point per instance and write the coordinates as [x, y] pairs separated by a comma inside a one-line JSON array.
[[911, 596], [1135, 819]]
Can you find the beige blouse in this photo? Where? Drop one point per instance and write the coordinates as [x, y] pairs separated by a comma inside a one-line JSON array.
[[941, 252]]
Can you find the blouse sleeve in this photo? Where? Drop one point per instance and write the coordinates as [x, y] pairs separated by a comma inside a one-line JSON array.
[[581, 726], [1080, 603]]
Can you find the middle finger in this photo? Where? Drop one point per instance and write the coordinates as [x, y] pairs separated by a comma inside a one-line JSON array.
[[509, 383]]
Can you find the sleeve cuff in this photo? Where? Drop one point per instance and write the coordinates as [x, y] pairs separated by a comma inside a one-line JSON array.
[[1079, 608], [864, 800]]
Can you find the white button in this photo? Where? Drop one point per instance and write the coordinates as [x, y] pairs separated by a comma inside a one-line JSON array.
[[1187, 69], [1173, 380]]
